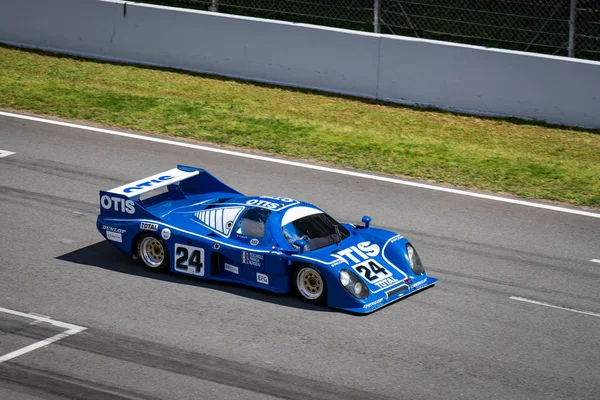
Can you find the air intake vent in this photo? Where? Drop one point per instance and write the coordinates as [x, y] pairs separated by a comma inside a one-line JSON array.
[[396, 290]]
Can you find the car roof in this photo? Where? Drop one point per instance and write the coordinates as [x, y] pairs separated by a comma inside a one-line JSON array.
[[284, 209], [295, 213], [273, 203]]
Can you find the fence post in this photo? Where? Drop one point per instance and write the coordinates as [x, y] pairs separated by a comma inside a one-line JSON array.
[[214, 6], [376, 7], [572, 18]]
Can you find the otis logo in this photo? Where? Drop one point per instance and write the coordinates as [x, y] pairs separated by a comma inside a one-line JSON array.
[[284, 199], [263, 203], [146, 184], [117, 204], [360, 252], [278, 203]]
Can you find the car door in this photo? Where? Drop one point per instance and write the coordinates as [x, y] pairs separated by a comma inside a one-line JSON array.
[[255, 244]]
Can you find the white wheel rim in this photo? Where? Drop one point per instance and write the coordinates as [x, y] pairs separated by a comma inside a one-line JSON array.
[[309, 283], [152, 252]]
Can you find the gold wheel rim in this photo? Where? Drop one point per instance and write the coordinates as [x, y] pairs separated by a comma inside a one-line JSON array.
[[309, 283]]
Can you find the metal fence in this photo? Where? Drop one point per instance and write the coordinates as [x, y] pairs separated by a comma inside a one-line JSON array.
[[560, 27]]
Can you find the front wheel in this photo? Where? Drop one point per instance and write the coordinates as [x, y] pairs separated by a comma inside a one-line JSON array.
[[309, 284], [153, 252]]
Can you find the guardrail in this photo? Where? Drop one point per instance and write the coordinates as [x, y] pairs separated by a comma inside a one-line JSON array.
[[405, 70]]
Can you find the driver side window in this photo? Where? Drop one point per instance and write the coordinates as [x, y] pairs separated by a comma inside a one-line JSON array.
[[252, 222]]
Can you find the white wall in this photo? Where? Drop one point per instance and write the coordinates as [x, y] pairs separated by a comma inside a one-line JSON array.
[[74, 26], [486, 81], [284, 53], [405, 70]]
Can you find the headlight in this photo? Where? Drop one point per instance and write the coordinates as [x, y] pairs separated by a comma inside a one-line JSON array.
[[413, 258], [353, 284], [344, 277]]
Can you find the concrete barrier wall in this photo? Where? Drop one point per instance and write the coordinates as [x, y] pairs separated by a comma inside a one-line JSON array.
[[485, 81], [74, 26], [413, 71], [291, 54]]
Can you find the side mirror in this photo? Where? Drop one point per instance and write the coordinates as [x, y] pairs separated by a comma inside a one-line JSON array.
[[366, 220], [300, 243]]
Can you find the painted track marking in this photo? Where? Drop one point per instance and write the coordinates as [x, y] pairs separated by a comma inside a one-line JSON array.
[[303, 165], [71, 330], [541, 303], [6, 153], [595, 261]]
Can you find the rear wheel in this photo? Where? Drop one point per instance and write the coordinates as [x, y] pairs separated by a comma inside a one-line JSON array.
[[153, 252], [309, 284]]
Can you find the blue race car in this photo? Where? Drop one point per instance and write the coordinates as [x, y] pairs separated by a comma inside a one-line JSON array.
[[187, 221]]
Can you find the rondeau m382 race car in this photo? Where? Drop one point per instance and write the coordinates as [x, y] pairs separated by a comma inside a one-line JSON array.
[[186, 221]]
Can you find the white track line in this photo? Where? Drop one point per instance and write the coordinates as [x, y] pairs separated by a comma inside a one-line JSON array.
[[303, 165], [71, 330], [37, 345], [596, 261], [541, 303], [6, 153]]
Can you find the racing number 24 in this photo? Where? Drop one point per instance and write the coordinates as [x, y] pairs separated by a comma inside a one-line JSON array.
[[371, 270], [189, 259]]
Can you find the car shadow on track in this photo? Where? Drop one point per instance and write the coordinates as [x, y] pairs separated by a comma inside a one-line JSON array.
[[103, 255]]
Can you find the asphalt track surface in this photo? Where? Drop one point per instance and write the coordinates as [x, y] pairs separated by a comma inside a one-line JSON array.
[[155, 336]]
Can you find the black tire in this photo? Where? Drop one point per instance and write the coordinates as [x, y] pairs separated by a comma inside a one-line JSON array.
[[309, 284], [153, 252]]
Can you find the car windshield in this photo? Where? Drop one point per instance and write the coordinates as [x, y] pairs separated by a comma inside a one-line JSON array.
[[319, 230]]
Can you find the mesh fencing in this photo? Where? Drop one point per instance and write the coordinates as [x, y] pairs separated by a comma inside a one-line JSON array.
[[542, 26], [349, 14], [587, 38]]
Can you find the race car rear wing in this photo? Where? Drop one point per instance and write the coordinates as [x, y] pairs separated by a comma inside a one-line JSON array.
[[124, 200], [154, 182]]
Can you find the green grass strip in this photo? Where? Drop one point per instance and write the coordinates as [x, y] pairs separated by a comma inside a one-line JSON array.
[[507, 156]]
